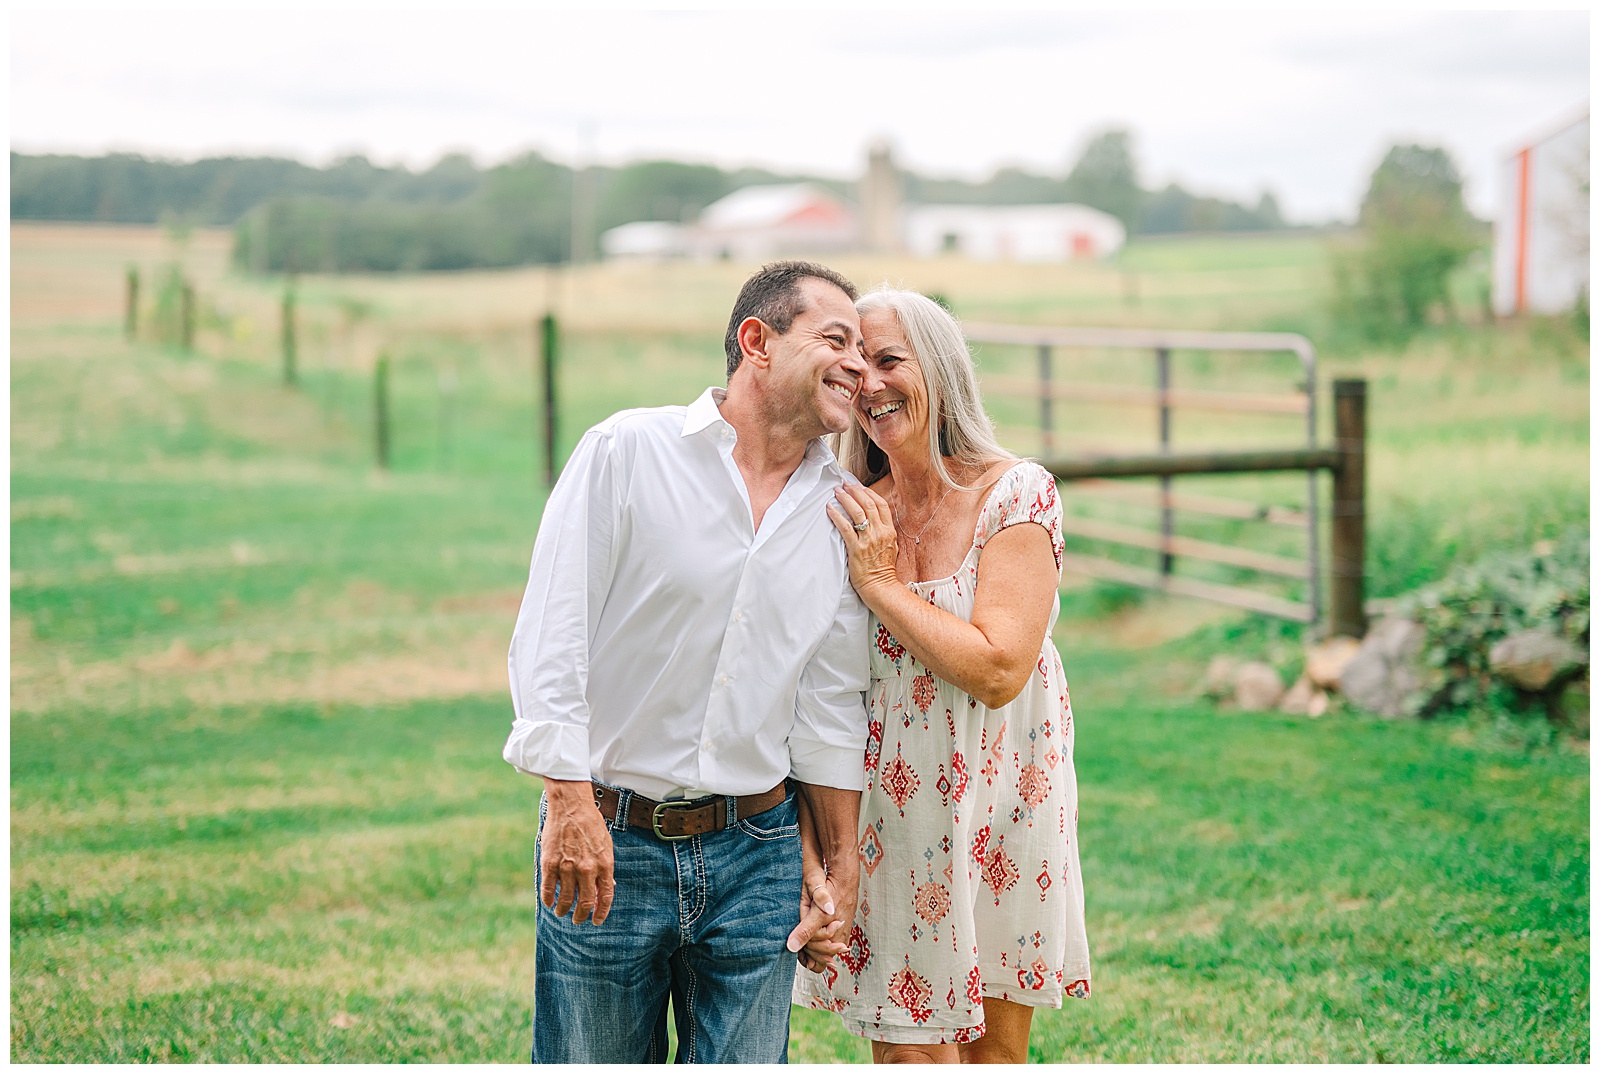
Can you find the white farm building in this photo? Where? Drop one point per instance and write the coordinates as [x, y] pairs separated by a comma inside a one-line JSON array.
[[757, 223], [762, 222], [646, 240], [1011, 232], [1541, 230]]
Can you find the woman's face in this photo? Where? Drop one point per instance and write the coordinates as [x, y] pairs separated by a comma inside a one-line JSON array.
[[892, 404]]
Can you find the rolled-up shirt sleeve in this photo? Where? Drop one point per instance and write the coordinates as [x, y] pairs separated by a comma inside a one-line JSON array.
[[567, 582], [827, 746]]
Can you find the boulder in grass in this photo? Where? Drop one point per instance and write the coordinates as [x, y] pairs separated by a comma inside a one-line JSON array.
[[1534, 659], [1297, 702], [1318, 705], [1383, 676], [1218, 681], [1326, 660], [1304, 698], [1257, 687]]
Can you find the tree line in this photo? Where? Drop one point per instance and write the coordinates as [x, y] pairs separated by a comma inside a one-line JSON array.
[[354, 215]]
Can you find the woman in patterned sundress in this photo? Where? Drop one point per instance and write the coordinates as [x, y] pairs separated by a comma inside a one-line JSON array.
[[971, 901]]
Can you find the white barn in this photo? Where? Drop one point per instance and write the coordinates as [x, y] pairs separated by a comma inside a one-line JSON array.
[[1541, 231], [1012, 232], [758, 223], [646, 240]]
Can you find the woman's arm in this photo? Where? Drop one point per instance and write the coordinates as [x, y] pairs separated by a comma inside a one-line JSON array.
[[990, 657]]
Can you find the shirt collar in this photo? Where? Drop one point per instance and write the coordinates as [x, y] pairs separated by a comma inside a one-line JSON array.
[[706, 411]]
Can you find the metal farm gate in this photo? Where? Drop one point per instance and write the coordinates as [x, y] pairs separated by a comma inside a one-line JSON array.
[[1098, 471]]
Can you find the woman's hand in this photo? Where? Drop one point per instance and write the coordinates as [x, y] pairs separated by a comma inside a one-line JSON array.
[[821, 919], [866, 522]]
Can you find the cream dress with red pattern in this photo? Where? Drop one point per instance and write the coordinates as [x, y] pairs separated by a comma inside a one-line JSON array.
[[970, 884]]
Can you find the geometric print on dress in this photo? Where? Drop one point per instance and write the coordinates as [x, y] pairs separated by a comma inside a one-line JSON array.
[[900, 781], [888, 646], [910, 991], [1033, 785], [1034, 976], [870, 850], [875, 745], [1000, 872], [974, 987], [932, 902], [980, 846], [856, 957]]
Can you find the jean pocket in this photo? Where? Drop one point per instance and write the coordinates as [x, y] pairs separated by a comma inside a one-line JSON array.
[[782, 821]]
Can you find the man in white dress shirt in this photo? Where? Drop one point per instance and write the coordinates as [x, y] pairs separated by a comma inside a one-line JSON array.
[[688, 654]]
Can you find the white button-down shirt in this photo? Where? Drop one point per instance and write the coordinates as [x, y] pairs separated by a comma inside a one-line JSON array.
[[666, 645]]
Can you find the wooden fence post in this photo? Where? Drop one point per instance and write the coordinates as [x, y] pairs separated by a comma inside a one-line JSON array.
[[1047, 432], [1164, 436], [130, 322], [548, 356], [446, 382], [290, 347], [1346, 611], [186, 317], [380, 410]]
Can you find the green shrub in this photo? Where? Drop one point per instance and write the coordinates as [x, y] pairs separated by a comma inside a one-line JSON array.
[[1415, 232], [166, 320], [1473, 607]]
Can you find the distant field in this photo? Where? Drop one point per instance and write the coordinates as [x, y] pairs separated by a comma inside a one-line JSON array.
[[257, 695]]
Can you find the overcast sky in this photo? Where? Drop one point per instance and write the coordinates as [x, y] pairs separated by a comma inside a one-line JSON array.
[[1302, 104]]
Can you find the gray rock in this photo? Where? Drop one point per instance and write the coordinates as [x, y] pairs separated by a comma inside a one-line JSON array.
[[1218, 681], [1256, 687], [1383, 676], [1533, 659]]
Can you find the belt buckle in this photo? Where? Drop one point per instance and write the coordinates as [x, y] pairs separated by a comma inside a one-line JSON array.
[[655, 823]]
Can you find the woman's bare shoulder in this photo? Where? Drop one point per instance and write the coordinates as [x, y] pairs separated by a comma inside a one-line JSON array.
[[995, 472]]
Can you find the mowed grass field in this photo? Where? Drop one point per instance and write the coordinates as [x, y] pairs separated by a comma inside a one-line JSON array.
[[257, 701]]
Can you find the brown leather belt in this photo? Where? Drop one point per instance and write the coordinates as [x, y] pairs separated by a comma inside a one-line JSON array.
[[685, 819]]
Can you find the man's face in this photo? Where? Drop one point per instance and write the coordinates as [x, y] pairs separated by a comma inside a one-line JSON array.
[[817, 364]]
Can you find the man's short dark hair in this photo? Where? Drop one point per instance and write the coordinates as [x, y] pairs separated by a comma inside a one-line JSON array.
[[773, 297]]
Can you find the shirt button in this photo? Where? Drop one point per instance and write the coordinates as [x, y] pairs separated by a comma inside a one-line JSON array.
[[738, 617], [722, 680]]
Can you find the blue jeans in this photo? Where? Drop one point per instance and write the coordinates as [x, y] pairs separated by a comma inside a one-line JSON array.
[[703, 920]]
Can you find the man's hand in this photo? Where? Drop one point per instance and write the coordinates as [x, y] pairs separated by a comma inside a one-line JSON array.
[[830, 872], [821, 932], [815, 938], [575, 853]]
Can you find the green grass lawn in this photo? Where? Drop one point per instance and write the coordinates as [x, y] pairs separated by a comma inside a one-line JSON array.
[[258, 811]]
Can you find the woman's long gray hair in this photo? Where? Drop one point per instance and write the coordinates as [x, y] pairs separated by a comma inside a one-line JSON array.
[[959, 431]]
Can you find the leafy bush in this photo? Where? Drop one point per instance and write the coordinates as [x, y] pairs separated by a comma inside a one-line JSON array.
[[1416, 232], [166, 319], [1473, 607]]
